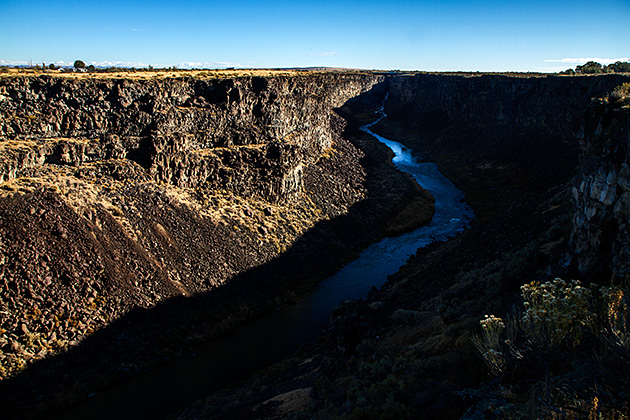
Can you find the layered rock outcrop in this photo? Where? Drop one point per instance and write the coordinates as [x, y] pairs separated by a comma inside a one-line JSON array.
[[601, 225], [249, 135], [545, 103]]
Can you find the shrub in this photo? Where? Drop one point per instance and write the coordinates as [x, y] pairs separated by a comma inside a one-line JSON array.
[[549, 363], [620, 93], [555, 312], [617, 332], [78, 64], [590, 68], [618, 67], [489, 343]]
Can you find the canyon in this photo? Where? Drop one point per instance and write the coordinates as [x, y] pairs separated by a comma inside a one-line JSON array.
[[140, 217]]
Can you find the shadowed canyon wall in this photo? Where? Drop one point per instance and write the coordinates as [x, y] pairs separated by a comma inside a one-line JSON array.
[[544, 110], [601, 233], [551, 103], [512, 143]]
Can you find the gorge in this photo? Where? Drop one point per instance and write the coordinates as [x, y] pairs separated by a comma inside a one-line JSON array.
[[278, 334], [138, 215]]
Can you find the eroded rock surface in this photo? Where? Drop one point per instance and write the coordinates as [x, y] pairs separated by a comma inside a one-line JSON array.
[[601, 225], [249, 135]]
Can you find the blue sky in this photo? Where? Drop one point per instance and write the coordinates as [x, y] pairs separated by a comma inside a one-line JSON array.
[[500, 35]]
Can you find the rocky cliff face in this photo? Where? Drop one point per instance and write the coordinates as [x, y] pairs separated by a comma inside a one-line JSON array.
[[601, 225], [120, 194], [250, 135], [509, 143], [497, 110], [551, 103]]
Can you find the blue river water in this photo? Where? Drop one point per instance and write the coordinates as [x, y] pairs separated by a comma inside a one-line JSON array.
[[167, 389]]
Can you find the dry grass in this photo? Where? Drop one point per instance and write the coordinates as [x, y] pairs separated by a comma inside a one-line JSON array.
[[279, 224], [157, 74], [8, 145], [140, 74], [213, 150]]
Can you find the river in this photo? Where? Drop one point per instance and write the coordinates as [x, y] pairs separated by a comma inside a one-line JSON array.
[[167, 389]]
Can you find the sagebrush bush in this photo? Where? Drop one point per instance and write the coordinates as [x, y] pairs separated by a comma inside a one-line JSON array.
[[489, 343], [567, 353], [555, 312], [617, 317], [622, 90], [621, 94]]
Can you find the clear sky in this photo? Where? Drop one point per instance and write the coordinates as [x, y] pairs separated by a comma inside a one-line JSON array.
[[448, 35]]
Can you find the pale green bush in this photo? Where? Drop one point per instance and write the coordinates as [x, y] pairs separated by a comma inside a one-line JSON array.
[[489, 343], [555, 311], [569, 348]]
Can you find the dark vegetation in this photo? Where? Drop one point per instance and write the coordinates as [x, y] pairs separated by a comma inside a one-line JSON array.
[[593, 67], [590, 67]]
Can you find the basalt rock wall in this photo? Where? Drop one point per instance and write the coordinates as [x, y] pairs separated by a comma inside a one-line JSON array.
[[528, 117], [250, 135], [551, 103], [601, 225]]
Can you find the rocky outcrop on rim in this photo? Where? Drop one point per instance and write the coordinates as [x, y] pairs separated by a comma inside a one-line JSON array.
[[601, 194], [544, 103]]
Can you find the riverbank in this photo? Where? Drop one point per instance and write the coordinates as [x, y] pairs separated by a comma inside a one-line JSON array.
[[278, 334]]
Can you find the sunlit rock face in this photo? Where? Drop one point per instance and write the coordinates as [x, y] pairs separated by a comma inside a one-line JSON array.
[[248, 135]]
